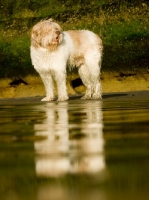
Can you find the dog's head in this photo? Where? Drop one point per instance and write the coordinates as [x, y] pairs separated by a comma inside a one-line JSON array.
[[46, 34]]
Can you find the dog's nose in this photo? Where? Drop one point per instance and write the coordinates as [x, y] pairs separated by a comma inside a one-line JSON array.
[[58, 32]]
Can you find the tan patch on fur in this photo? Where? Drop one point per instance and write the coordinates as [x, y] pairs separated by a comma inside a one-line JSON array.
[[77, 57], [81, 45], [75, 60], [76, 37], [79, 38]]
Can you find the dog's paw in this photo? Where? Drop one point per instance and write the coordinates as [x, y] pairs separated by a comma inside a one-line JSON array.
[[47, 99], [87, 97], [65, 98], [96, 96]]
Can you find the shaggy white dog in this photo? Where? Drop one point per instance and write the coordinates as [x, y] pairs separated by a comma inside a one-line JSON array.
[[53, 50]]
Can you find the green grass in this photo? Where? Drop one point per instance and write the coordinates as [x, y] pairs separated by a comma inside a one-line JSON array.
[[122, 24]]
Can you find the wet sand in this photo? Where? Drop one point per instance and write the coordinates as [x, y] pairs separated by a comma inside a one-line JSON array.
[[119, 96]]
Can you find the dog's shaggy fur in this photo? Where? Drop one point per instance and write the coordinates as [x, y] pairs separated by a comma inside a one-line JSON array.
[[53, 50]]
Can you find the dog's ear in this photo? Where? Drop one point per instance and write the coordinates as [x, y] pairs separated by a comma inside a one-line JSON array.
[[35, 38], [39, 36]]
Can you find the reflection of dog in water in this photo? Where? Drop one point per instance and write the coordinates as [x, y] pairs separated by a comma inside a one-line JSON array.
[[53, 50], [69, 146]]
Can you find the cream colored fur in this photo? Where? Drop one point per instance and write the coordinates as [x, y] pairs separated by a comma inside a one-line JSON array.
[[53, 50]]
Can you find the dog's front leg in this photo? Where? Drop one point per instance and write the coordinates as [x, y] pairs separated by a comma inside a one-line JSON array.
[[60, 78], [49, 86]]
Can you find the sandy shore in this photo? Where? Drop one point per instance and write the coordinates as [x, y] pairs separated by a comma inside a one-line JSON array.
[[32, 86], [107, 97]]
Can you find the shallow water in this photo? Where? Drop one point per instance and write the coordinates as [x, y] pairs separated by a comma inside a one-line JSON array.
[[75, 149]]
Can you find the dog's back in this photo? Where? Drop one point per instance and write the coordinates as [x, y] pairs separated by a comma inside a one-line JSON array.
[[83, 45], [85, 39]]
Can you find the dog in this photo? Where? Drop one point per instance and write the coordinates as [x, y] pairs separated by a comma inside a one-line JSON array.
[[53, 50]]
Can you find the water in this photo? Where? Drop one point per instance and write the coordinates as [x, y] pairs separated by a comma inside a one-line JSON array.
[[75, 149]]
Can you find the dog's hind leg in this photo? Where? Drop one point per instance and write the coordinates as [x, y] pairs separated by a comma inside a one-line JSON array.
[[85, 77], [95, 79], [97, 91], [90, 78]]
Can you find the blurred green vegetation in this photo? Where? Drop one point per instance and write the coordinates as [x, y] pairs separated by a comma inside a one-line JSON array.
[[122, 24]]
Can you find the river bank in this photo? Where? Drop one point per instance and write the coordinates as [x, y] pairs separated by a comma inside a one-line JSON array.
[[31, 86]]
